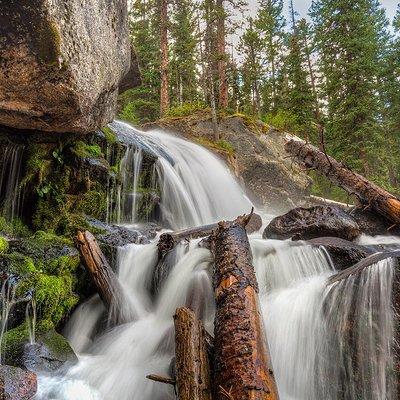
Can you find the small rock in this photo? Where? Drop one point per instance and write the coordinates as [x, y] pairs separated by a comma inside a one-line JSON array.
[[307, 223], [17, 384], [254, 224]]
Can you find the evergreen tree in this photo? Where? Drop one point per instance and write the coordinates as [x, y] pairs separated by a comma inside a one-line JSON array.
[[270, 23], [297, 97], [184, 44], [251, 46], [348, 35]]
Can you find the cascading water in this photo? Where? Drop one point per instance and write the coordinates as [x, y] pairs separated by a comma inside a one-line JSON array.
[[313, 354], [10, 191]]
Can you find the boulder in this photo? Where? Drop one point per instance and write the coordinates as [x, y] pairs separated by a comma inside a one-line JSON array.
[[16, 383], [49, 352], [307, 223], [343, 253], [61, 63]]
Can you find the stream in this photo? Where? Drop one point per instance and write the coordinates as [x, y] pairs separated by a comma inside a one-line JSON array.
[[315, 354]]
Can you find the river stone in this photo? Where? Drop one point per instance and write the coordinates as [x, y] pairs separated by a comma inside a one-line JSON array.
[[307, 223], [16, 383], [61, 63]]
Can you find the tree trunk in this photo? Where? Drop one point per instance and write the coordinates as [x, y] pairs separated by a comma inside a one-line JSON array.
[[369, 194], [363, 264], [192, 364], [164, 97], [242, 367], [106, 282], [169, 240], [221, 49]]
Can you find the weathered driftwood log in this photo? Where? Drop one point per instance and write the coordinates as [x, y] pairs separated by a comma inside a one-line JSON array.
[[364, 263], [104, 279], [242, 368], [369, 194], [169, 240], [193, 377]]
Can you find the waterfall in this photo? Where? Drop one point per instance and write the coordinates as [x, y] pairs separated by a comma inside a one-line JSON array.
[[11, 197], [326, 342], [195, 187]]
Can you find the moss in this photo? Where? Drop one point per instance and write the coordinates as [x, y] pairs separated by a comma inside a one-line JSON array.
[[3, 245], [93, 203], [221, 145], [48, 43], [19, 263], [14, 228], [46, 238], [53, 294], [63, 264], [84, 150], [109, 135]]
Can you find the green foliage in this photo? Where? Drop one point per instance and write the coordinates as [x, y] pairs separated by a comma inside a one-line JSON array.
[[19, 264], [221, 145], [84, 150], [14, 228], [93, 203], [109, 134], [185, 109], [3, 245], [138, 106]]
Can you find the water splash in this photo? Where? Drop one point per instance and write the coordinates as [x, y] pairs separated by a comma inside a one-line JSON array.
[[30, 317]]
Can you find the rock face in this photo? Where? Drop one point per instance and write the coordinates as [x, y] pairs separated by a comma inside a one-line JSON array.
[[307, 223], [17, 384], [259, 158], [61, 63]]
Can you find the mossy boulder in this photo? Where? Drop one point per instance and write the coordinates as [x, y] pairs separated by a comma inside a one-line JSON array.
[[61, 63], [49, 352]]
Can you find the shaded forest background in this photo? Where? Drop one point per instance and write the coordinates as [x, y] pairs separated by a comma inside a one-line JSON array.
[[333, 80]]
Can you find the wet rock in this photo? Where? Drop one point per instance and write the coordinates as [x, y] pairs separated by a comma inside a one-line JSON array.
[[343, 253], [17, 384], [307, 223], [255, 224], [50, 352], [373, 224], [61, 63]]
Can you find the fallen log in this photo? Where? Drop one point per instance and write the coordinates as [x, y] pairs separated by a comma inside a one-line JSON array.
[[369, 194], [161, 379], [193, 377], [242, 368], [169, 240], [363, 264], [106, 282]]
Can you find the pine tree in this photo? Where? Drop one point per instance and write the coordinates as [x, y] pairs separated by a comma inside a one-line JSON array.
[[164, 70], [348, 35], [250, 47], [184, 44], [297, 97], [270, 23]]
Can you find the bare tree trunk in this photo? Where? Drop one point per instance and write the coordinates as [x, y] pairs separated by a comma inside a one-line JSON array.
[[242, 366], [164, 96], [221, 50], [369, 194], [106, 282], [193, 377]]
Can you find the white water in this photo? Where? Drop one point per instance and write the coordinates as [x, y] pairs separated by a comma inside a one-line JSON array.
[[307, 323]]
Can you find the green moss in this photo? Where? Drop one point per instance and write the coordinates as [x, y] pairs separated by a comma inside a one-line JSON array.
[[93, 203], [19, 263], [3, 245], [221, 145], [14, 228], [48, 43], [62, 265], [185, 109], [109, 134], [84, 150], [53, 294]]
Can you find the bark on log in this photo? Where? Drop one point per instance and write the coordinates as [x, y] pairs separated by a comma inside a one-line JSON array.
[[242, 367], [193, 378], [169, 240], [364, 263], [104, 279], [369, 194]]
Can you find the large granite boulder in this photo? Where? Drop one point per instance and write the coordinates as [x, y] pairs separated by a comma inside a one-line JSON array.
[[16, 383], [307, 223], [61, 63]]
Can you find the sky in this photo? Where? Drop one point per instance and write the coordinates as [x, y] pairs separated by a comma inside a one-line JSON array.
[[302, 6]]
